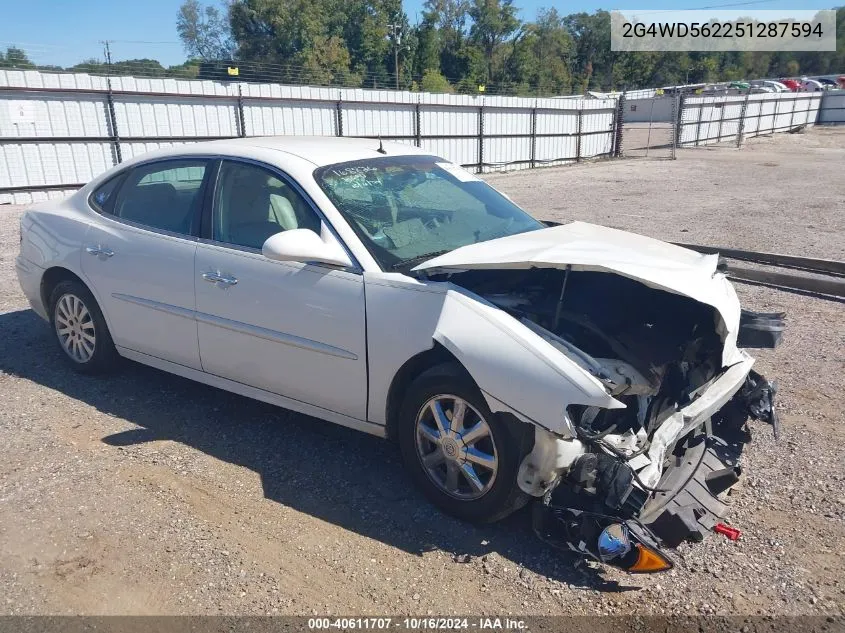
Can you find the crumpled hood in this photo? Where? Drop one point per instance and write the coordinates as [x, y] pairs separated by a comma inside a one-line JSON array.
[[585, 246]]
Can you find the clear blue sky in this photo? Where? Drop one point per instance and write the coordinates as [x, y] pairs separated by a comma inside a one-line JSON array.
[[65, 32]]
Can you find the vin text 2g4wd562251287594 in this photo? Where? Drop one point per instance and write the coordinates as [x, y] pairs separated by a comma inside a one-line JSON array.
[[597, 373]]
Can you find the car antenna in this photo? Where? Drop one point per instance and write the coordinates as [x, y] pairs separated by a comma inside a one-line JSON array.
[[381, 149]]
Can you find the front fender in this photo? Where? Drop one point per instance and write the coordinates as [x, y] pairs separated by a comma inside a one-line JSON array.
[[516, 370]]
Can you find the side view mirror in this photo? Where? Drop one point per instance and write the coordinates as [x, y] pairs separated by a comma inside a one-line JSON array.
[[304, 245]]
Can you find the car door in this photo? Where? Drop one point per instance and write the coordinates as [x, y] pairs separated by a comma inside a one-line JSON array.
[[139, 257], [296, 329]]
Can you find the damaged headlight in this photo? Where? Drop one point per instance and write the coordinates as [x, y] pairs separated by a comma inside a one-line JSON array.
[[614, 542], [616, 547]]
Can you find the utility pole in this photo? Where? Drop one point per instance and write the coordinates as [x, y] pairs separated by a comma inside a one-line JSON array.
[[394, 32], [107, 51]]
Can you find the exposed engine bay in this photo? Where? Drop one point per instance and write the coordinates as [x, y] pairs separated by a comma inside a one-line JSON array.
[[627, 481]]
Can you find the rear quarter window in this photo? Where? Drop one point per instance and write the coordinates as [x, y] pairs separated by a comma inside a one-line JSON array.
[[102, 199]]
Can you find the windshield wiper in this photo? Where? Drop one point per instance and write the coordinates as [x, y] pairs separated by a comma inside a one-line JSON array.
[[408, 263]]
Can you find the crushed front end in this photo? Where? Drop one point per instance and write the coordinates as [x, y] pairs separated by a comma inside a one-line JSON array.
[[602, 489], [619, 484]]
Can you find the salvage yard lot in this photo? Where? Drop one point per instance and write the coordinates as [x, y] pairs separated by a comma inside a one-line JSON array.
[[146, 493]]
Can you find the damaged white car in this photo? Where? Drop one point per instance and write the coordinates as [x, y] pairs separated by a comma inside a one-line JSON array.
[[598, 373]]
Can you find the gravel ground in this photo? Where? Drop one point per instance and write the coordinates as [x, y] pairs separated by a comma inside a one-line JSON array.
[[782, 193], [144, 493]]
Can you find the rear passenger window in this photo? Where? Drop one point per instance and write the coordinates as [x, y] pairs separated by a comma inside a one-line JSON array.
[[103, 197], [164, 195]]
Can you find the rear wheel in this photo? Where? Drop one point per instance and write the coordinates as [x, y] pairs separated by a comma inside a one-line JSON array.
[[80, 328], [464, 457]]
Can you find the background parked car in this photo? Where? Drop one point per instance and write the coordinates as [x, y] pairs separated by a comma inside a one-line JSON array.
[[827, 83], [811, 85]]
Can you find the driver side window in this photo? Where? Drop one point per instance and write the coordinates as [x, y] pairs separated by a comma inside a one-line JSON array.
[[252, 203]]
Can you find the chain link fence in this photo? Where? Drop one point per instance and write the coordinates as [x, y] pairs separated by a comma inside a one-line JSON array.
[[734, 118], [649, 125]]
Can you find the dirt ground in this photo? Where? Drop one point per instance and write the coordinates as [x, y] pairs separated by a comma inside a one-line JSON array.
[[143, 493]]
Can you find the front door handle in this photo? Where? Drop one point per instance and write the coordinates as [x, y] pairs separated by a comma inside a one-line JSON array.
[[220, 279], [99, 251]]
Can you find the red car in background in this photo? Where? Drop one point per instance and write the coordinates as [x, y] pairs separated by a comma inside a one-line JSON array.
[[792, 84]]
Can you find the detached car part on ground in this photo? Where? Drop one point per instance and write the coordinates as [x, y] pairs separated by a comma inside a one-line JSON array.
[[653, 432], [596, 372]]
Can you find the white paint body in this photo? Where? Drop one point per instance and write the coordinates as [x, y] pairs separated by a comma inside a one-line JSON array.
[[328, 341]]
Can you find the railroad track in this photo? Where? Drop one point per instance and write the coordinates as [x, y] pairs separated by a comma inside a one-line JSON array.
[[816, 276]]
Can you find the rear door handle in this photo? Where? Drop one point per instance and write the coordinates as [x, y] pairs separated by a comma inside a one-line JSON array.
[[220, 279], [99, 251]]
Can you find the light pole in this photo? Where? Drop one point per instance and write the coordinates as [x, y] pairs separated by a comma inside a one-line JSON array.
[[394, 32]]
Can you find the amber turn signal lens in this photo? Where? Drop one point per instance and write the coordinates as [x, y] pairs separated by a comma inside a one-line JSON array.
[[649, 561]]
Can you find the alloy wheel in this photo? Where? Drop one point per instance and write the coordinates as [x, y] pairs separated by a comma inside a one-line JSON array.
[[456, 447], [75, 328]]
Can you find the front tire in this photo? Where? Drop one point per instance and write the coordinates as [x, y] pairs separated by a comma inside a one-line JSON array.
[[464, 457], [80, 329]]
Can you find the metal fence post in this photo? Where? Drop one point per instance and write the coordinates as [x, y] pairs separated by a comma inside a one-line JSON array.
[[480, 138], [115, 137], [338, 117], [619, 122], [533, 137], [418, 124], [675, 110], [721, 122], [792, 115], [740, 129], [241, 119], [775, 115], [679, 119], [578, 136], [700, 119]]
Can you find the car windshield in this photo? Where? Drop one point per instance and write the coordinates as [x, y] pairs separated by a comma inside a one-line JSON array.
[[408, 209]]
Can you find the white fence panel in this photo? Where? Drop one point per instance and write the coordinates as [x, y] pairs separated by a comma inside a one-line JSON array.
[[179, 117], [51, 115], [379, 120], [462, 151], [706, 120], [282, 118], [832, 107]]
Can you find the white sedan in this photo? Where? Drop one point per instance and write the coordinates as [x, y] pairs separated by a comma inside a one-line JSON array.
[[376, 286]]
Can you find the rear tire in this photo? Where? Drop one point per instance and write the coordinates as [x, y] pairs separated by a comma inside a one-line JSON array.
[[80, 329], [465, 463]]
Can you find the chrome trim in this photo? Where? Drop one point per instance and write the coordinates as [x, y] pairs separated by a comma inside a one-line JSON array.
[[240, 327], [274, 336], [155, 305], [218, 278], [99, 250]]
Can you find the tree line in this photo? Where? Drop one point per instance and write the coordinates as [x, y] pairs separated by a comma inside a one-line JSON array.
[[465, 46]]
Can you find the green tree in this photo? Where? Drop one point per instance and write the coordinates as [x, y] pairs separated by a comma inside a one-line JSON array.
[[328, 63], [204, 31], [446, 22], [551, 50], [593, 66], [493, 22], [15, 58], [433, 81]]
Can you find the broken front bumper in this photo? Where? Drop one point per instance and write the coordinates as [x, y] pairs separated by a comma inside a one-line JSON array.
[[699, 461]]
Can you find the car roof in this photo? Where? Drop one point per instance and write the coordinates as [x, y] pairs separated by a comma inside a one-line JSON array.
[[319, 150]]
